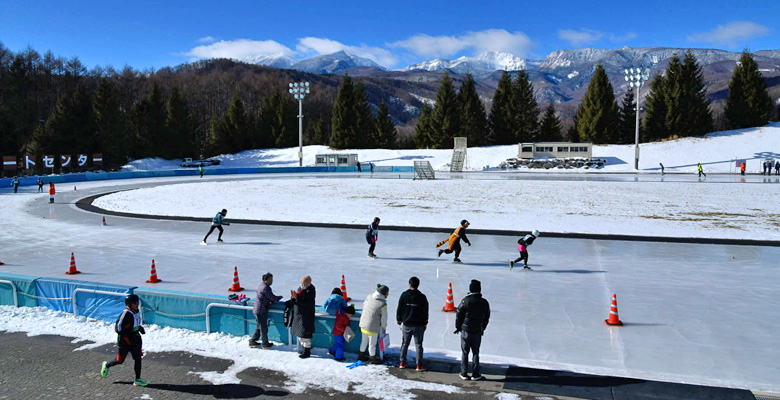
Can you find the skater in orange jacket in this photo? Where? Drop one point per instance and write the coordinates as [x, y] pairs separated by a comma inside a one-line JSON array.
[[454, 241]]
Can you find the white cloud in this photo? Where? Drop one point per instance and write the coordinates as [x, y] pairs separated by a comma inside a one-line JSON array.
[[622, 38], [319, 46], [730, 34], [516, 43], [578, 38], [207, 39], [239, 49]]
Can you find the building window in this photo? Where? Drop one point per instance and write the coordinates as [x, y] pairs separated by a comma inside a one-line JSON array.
[[579, 149], [343, 160], [528, 149], [320, 160], [544, 149], [563, 149]]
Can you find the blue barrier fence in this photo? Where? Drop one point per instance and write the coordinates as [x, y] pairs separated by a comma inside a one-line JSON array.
[[99, 176], [161, 307]]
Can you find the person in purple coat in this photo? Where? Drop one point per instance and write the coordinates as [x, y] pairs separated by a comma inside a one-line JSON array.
[[265, 297]]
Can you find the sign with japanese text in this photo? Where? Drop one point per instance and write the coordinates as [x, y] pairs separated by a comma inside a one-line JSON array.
[[9, 163], [48, 161], [81, 159], [65, 160], [29, 162], [97, 159]]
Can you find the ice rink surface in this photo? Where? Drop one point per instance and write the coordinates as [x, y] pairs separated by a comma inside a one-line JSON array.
[[703, 314]]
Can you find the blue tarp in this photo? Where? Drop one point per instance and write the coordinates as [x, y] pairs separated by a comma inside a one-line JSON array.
[[25, 287], [56, 294]]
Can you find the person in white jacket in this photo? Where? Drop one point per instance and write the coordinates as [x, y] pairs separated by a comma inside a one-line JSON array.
[[373, 322]]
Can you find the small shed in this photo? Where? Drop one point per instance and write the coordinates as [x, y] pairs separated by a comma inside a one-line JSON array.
[[336, 160], [555, 150]]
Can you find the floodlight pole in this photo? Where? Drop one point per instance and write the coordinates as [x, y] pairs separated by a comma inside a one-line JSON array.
[[635, 79], [299, 90]]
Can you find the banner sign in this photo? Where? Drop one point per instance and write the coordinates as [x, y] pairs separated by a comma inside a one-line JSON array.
[[65, 161], [81, 160], [29, 162], [9, 163], [48, 161], [97, 159]]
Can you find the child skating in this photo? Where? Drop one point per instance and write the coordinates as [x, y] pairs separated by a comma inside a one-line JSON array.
[[522, 247], [372, 235], [454, 241]]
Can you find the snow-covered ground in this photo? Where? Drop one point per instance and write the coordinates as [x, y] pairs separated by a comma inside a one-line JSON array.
[[715, 152], [316, 372]]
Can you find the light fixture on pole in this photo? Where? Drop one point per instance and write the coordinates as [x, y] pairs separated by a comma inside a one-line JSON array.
[[299, 90], [636, 78]]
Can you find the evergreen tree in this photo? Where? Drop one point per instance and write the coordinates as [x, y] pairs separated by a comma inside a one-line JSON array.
[[473, 121], [364, 126], [656, 110], [445, 115], [501, 118], [526, 109], [675, 105], [228, 135], [181, 139], [384, 128], [148, 121], [748, 103], [697, 119], [70, 127], [423, 132], [550, 129], [317, 133], [278, 122], [110, 129], [343, 123], [627, 123], [597, 117]]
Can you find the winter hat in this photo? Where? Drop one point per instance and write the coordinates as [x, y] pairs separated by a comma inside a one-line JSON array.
[[382, 289], [336, 291], [349, 310], [475, 286]]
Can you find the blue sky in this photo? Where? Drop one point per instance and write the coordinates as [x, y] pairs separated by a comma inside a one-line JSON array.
[[146, 34]]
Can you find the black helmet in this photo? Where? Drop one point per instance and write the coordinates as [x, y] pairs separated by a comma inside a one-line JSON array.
[[376, 219], [464, 222], [132, 299]]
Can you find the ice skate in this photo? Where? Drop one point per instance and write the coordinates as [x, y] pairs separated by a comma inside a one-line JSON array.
[[457, 261], [203, 243], [511, 265], [527, 268]]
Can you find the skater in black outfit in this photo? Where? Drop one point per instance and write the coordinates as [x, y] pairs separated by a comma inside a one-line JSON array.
[[522, 247], [40, 185], [217, 222], [129, 330], [454, 241], [372, 234]]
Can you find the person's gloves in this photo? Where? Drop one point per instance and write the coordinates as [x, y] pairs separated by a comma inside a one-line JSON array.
[[399, 322], [141, 329], [457, 331]]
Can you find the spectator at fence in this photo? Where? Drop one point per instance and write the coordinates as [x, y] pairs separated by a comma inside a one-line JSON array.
[[412, 316], [471, 320], [265, 297], [373, 323], [339, 327], [303, 317], [335, 302]]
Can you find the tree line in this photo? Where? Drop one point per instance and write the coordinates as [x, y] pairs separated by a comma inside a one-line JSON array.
[[53, 105]]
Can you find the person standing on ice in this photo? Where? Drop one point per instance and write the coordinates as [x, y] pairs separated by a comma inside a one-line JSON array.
[[200, 170], [522, 247], [129, 330], [265, 297], [15, 183], [52, 191], [303, 317], [40, 185], [471, 320], [701, 171], [662, 168], [742, 168], [454, 241], [372, 234], [777, 168], [217, 222]]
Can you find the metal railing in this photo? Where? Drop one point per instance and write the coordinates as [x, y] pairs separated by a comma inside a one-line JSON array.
[[13, 288]]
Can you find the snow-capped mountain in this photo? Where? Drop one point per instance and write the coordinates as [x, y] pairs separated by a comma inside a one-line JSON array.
[[330, 63], [486, 62], [271, 60]]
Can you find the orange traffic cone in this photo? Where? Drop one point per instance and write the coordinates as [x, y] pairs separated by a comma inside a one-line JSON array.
[[449, 306], [344, 290], [72, 270], [613, 313], [104, 221], [153, 275], [236, 285]]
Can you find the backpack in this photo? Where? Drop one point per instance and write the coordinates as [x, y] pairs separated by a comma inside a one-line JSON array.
[[288, 313]]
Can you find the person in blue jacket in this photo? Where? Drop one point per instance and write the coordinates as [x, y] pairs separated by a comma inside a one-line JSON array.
[[335, 302], [217, 223]]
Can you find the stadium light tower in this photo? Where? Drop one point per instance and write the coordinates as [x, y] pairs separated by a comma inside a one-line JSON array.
[[636, 78], [299, 90]]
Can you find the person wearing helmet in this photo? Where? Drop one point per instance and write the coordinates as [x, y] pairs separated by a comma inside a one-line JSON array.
[[454, 241], [129, 330], [217, 223], [522, 247], [372, 234]]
